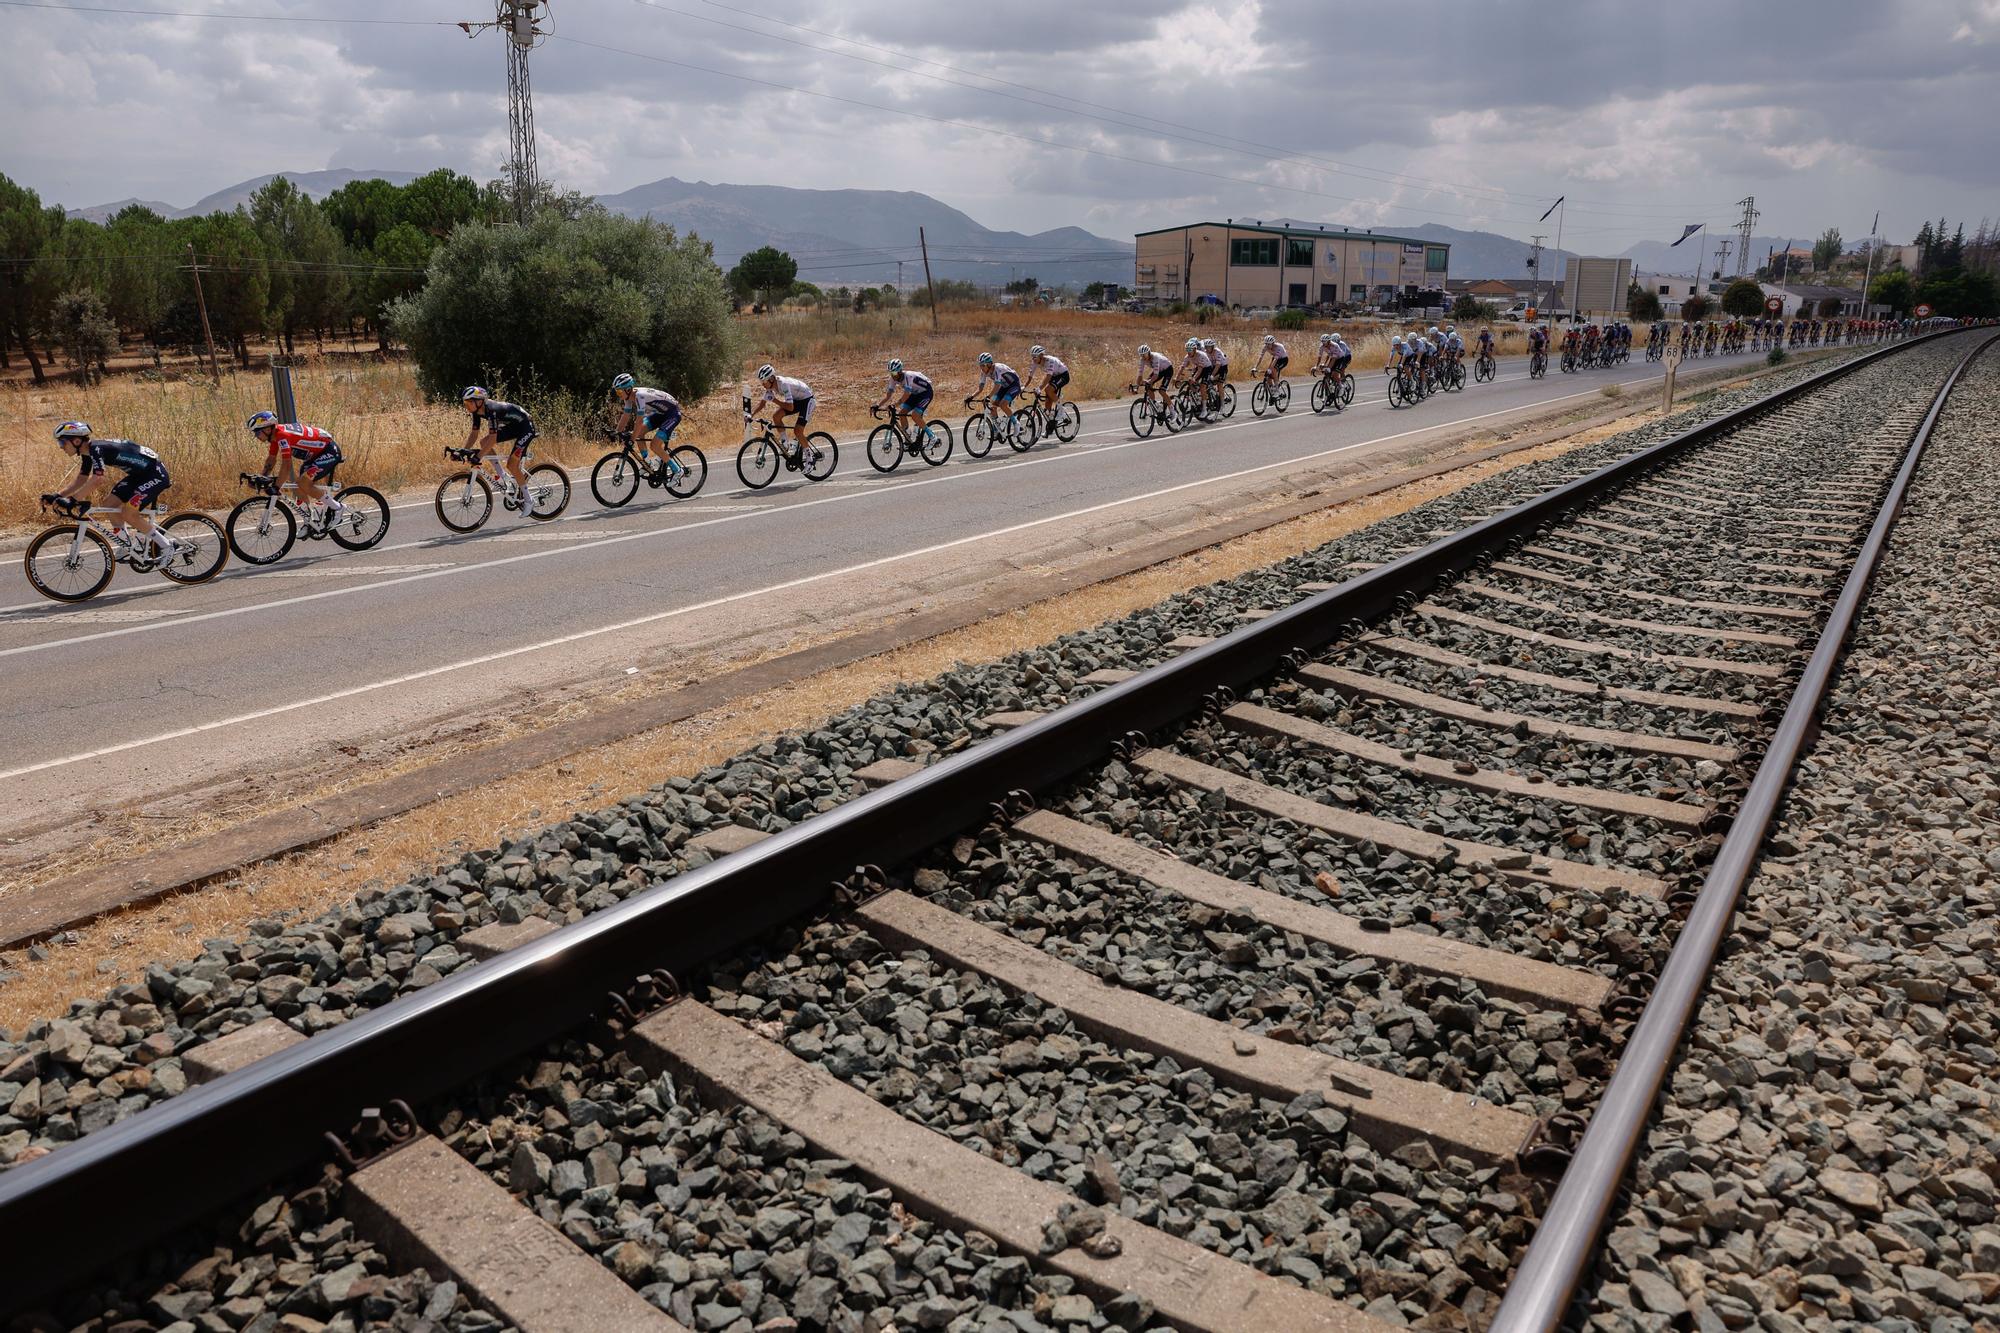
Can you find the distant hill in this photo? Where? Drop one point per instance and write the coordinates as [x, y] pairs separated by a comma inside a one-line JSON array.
[[317, 184], [1487, 254], [102, 213]]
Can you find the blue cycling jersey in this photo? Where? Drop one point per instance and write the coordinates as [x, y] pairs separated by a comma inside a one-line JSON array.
[[121, 454], [506, 420]]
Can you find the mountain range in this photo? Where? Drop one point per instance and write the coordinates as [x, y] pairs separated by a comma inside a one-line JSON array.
[[856, 237]]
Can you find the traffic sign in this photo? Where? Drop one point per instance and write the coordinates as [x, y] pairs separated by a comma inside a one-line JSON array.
[[1922, 312], [1774, 305]]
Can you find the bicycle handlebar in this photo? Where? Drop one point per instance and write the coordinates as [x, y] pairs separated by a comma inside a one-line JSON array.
[[471, 455]]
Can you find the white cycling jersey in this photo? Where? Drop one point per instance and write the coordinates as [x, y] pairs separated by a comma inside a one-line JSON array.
[[1275, 349], [652, 402], [785, 389], [1155, 364], [1200, 359], [1049, 365]]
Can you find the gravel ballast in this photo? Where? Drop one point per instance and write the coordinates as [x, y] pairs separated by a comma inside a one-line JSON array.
[[1829, 1149]]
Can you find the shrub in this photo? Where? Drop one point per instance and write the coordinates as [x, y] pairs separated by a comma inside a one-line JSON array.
[[1777, 357], [1695, 308], [1743, 297], [1289, 319], [567, 303]]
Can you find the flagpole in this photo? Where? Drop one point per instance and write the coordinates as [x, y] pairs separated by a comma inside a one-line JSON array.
[[1562, 211], [1869, 273]]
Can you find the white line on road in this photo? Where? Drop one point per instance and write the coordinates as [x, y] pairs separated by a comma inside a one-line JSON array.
[[254, 608]]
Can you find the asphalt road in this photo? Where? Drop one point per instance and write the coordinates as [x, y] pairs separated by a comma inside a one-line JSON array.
[[151, 681]]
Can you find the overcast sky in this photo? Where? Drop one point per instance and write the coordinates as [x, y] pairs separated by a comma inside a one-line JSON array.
[[1647, 115]]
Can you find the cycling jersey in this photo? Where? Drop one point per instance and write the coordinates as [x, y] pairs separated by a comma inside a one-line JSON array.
[[912, 384], [784, 389], [506, 420], [297, 441], [647, 403], [1200, 359], [1152, 364], [145, 475], [1276, 351], [1051, 367]]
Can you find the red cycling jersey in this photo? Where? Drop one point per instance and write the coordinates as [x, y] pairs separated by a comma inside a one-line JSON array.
[[300, 441]]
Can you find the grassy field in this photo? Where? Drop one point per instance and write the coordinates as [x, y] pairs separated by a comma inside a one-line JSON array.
[[393, 438]]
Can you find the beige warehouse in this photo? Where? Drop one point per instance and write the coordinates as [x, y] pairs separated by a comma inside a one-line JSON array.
[[1249, 263]]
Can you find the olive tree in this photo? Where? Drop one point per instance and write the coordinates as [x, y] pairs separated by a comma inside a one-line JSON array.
[[565, 303]]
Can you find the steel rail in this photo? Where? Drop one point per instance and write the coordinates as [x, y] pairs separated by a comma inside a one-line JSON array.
[[1566, 1242], [199, 1151]]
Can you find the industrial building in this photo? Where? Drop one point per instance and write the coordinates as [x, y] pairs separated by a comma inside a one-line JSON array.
[[1250, 263]]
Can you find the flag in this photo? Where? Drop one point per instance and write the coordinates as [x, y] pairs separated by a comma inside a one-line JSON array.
[[1553, 207], [1688, 231]]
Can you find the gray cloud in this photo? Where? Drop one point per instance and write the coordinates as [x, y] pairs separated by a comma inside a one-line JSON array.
[[1646, 116]]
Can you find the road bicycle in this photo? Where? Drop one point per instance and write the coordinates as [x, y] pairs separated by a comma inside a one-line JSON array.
[[890, 442], [1273, 394], [1485, 368], [1404, 386], [465, 499], [1332, 390], [1569, 361], [1019, 428], [75, 559], [615, 478], [1193, 401], [1451, 375], [1538, 364], [764, 452], [1063, 420], [263, 528], [1152, 409]]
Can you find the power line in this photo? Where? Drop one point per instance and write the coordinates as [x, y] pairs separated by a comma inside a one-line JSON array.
[[211, 14]]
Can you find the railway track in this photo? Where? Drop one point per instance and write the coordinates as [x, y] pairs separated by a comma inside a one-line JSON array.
[[1285, 1015]]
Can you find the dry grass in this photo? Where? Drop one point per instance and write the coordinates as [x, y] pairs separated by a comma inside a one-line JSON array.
[[393, 437]]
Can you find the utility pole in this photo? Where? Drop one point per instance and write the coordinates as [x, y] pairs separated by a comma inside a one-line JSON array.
[[214, 366], [1748, 203], [1535, 263], [524, 23], [899, 277], [1721, 257], [924, 245]]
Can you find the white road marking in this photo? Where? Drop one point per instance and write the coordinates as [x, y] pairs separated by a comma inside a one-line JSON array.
[[898, 557], [789, 509], [122, 615], [344, 572], [561, 535]]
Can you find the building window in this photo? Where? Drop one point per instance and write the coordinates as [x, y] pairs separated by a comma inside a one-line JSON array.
[[1435, 259], [1299, 251], [1257, 252], [1357, 291]]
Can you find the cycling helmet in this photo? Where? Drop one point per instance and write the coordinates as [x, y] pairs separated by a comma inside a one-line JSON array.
[[1432, 330], [1036, 353], [986, 358], [764, 372], [624, 382], [1193, 343], [260, 421], [1208, 343], [1145, 350], [895, 366], [1270, 338], [473, 394], [1325, 338], [73, 430], [1397, 339]]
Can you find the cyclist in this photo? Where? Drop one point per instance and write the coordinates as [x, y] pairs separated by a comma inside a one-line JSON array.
[[1426, 359], [315, 452], [1343, 355], [1454, 346], [912, 390], [1053, 372], [1279, 360], [1218, 375], [1005, 381], [145, 476], [1538, 346], [1485, 344], [658, 411], [1402, 357], [505, 423], [1196, 367], [793, 398], [1156, 372]]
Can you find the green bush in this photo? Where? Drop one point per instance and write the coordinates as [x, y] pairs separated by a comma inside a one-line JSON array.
[[566, 303], [1743, 297], [1777, 357], [1289, 319]]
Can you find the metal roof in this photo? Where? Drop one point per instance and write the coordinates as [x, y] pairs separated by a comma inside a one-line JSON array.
[[1339, 233]]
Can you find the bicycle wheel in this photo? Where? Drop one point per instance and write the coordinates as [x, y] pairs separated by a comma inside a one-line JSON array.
[[934, 445], [615, 479], [978, 436], [1346, 389], [1141, 416], [70, 563], [822, 456], [464, 501], [885, 449], [1024, 427], [549, 485], [366, 521], [1281, 395], [693, 474], [204, 548], [1069, 420], [261, 530], [1228, 400], [1259, 399], [1322, 396], [757, 463]]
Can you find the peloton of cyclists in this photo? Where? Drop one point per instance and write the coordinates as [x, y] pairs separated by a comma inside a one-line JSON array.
[[649, 416], [142, 478], [311, 449], [505, 423]]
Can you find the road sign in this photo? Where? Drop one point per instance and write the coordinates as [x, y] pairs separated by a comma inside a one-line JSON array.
[[1922, 312], [1774, 305]]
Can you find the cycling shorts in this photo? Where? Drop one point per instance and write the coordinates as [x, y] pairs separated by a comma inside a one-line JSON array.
[[1058, 381], [1162, 378], [802, 406], [519, 444], [321, 465], [1340, 363], [1006, 392], [141, 488], [1278, 366], [663, 423], [919, 402]]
